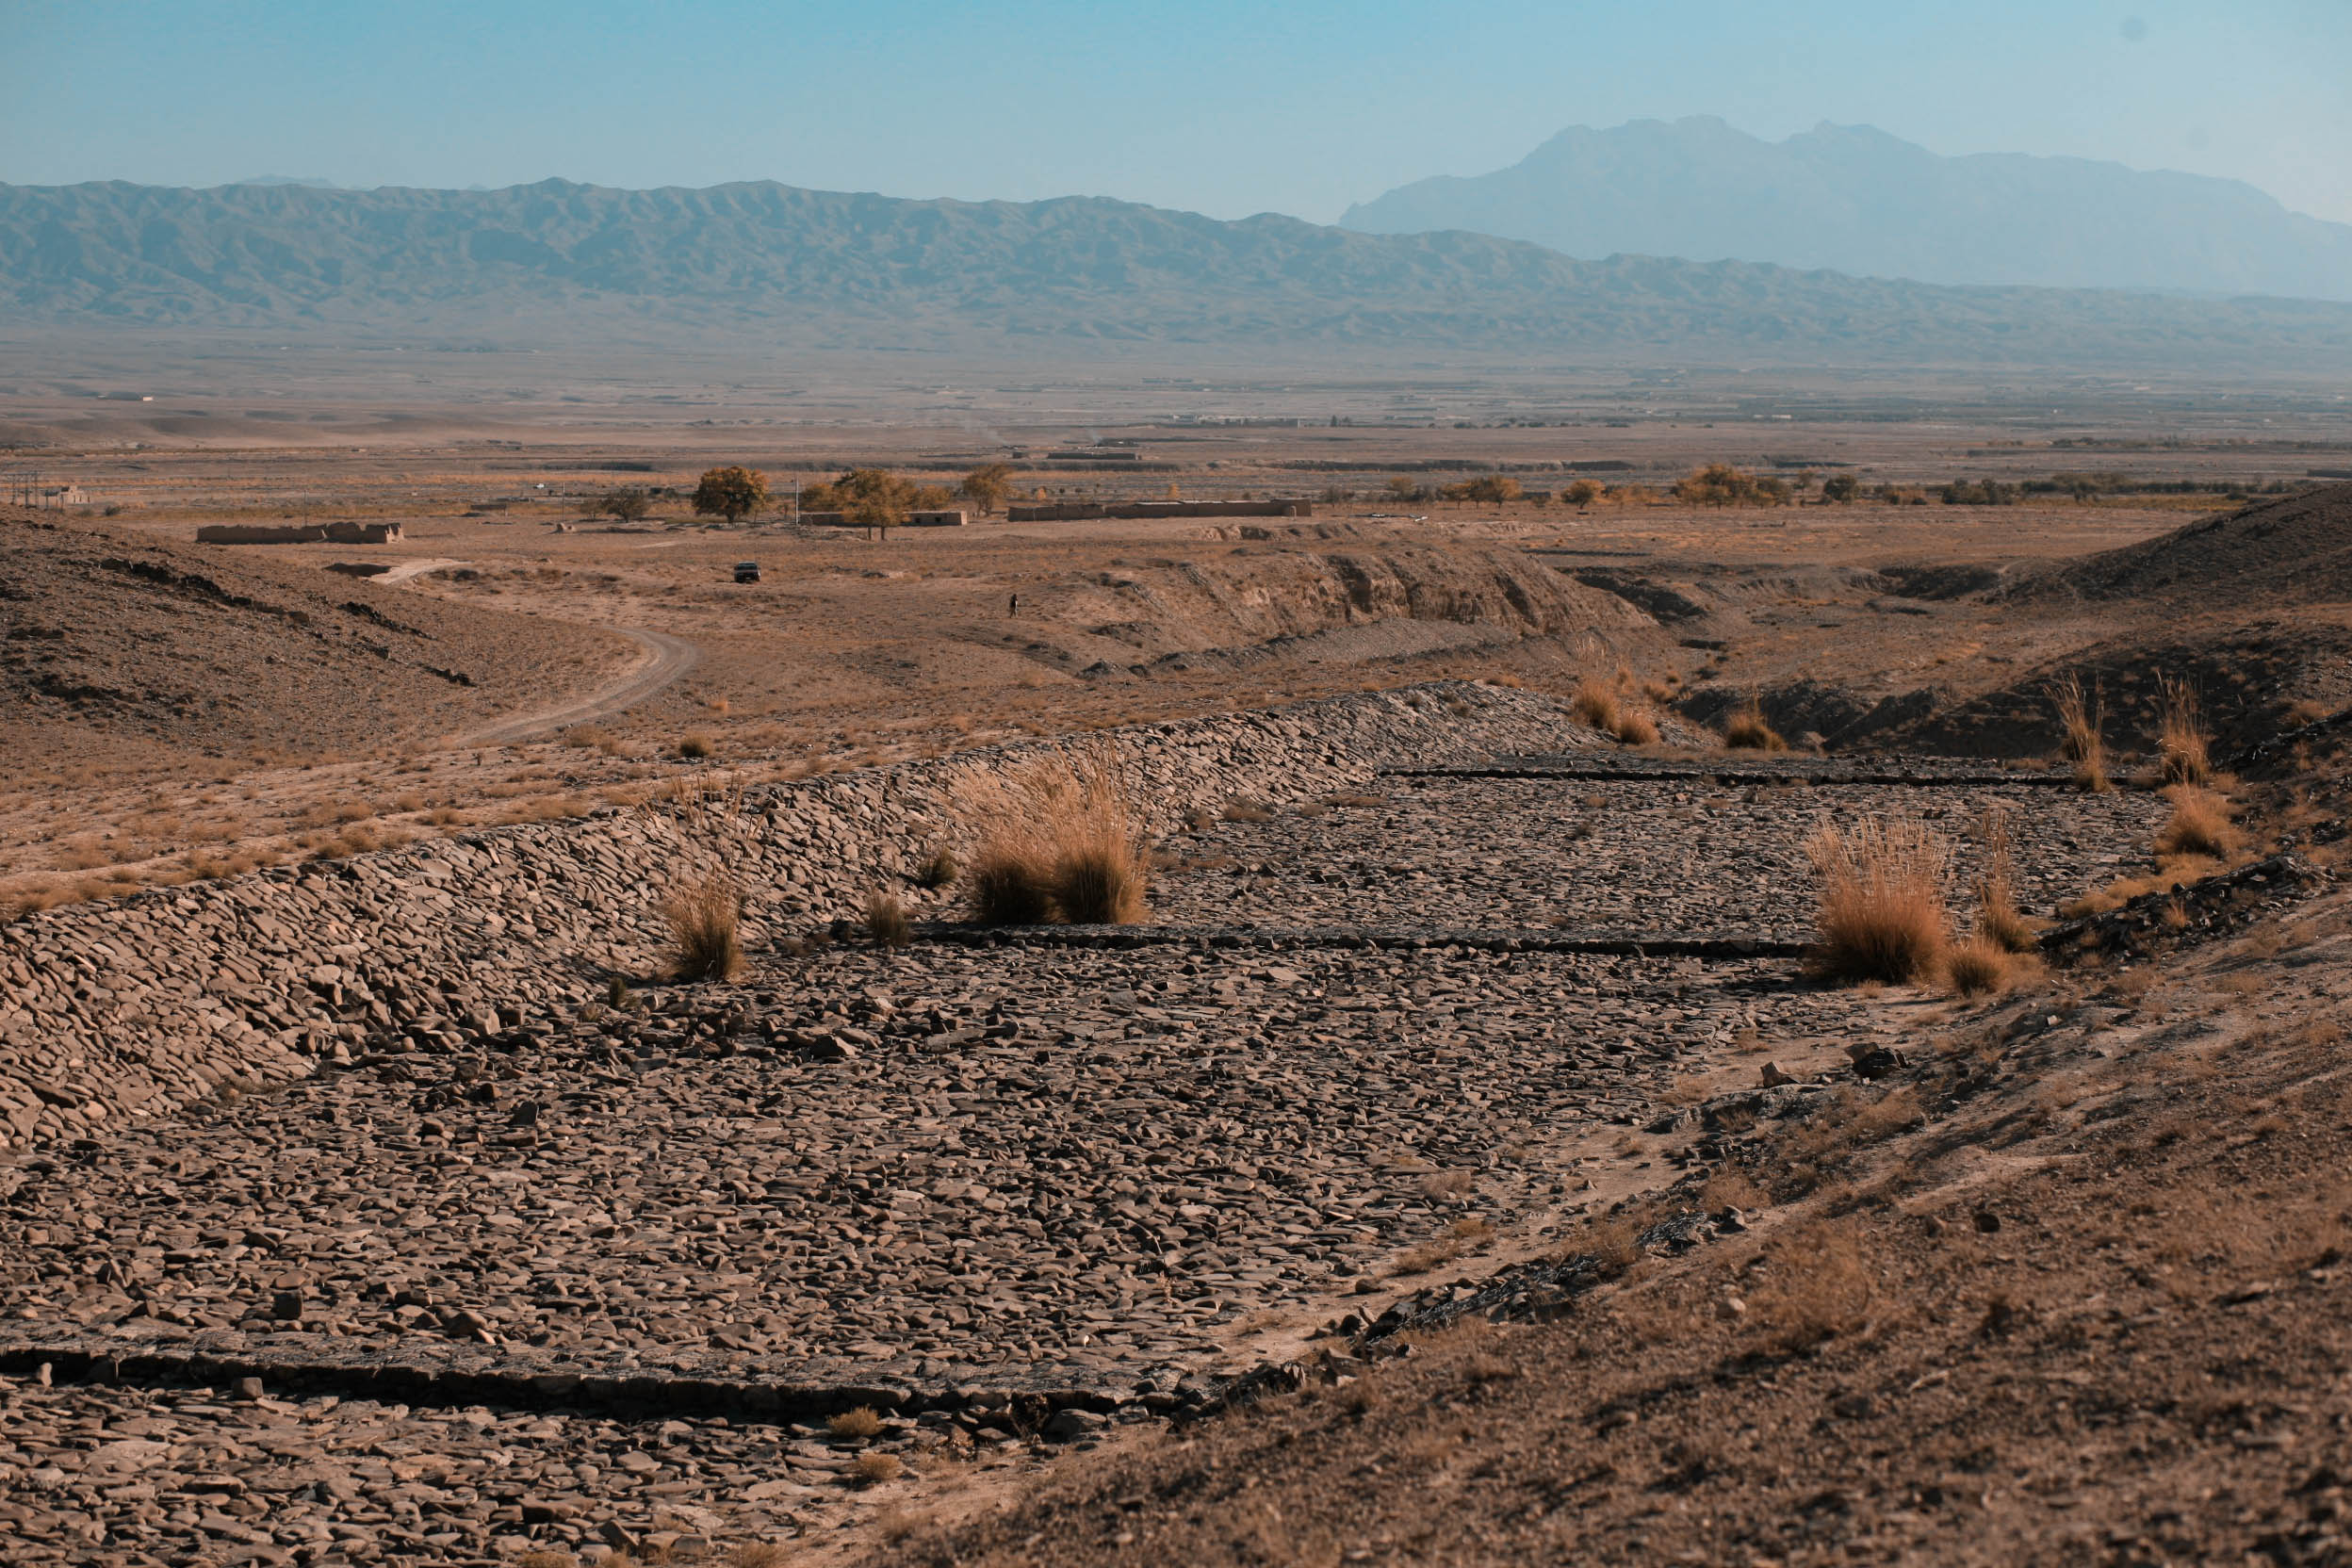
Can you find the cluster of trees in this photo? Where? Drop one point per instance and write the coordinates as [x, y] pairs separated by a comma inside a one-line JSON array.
[[1722, 484], [1487, 489], [874, 497]]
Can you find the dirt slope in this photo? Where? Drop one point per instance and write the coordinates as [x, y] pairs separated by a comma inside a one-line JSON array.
[[213, 649], [2291, 549], [2064, 1286]]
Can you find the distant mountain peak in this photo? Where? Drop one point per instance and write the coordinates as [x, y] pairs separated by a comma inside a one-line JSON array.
[[771, 265], [1859, 200], [316, 181]]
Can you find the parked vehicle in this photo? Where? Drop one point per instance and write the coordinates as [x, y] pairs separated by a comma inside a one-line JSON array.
[[746, 571]]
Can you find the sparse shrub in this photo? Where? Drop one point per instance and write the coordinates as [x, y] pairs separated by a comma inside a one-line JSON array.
[[1841, 488], [2181, 735], [1582, 492], [704, 914], [2081, 741], [939, 870], [885, 920], [2199, 824], [1747, 730], [695, 747], [1977, 966], [855, 1424], [1882, 912]]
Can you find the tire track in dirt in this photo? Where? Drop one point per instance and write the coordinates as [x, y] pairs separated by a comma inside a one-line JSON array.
[[667, 661]]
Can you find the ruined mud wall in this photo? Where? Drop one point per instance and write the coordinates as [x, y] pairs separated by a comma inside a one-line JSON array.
[[302, 534], [142, 1004], [1071, 512]]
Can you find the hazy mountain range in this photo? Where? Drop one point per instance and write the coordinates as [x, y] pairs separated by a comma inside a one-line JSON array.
[[1853, 199], [748, 265]]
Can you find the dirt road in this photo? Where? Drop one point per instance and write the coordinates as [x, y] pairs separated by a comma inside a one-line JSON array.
[[667, 659]]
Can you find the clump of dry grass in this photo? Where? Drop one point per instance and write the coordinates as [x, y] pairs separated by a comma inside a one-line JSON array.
[[1882, 913], [1820, 1287], [874, 1469], [939, 870], [855, 1424], [1977, 966], [704, 913], [1746, 731], [2199, 825], [1058, 837], [2081, 741], [2180, 746], [1635, 727], [1594, 704], [695, 747], [885, 920], [1998, 921]]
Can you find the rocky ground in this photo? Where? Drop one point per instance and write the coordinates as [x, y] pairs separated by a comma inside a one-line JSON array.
[[604, 1280]]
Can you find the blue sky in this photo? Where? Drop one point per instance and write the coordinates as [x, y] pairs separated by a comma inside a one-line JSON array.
[[1223, 106]]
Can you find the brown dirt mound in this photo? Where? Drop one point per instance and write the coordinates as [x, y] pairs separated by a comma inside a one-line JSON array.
[[2249, 679], [217, 651], [2289, 550]]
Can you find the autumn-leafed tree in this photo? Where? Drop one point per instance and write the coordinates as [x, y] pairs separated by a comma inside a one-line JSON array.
[[1493, 489], [988, 486], [1720, 485], [732, 492], [873, 498], [625, 503]]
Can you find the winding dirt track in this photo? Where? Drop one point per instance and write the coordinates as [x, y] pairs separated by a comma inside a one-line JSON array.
[[667, 659]]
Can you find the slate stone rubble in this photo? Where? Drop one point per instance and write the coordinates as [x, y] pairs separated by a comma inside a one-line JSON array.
[[1069, 1169], [494, 1266], [140, 1005]]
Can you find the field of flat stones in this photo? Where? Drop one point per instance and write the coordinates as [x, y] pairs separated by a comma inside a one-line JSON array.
[[1680, 854], [598, 1282]]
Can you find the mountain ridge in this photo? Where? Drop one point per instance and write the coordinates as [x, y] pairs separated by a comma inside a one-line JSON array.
[[1857, 200], [757, 260]]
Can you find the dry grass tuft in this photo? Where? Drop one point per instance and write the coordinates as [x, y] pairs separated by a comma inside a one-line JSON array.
[[885, 920], [1595, 705], [1058, 837], [1882, 902], [2181, 735], [857, 1425], [704, 914], [1635, 727], [1747, 730], [695, 747], [2081, 742], [1820, 1287], [1998, 921], [2199, 825], [939, 870], [874, 1469], [1978, 967]]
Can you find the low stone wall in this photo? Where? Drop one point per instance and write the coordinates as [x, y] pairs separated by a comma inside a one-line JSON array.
[[142, 1004]]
